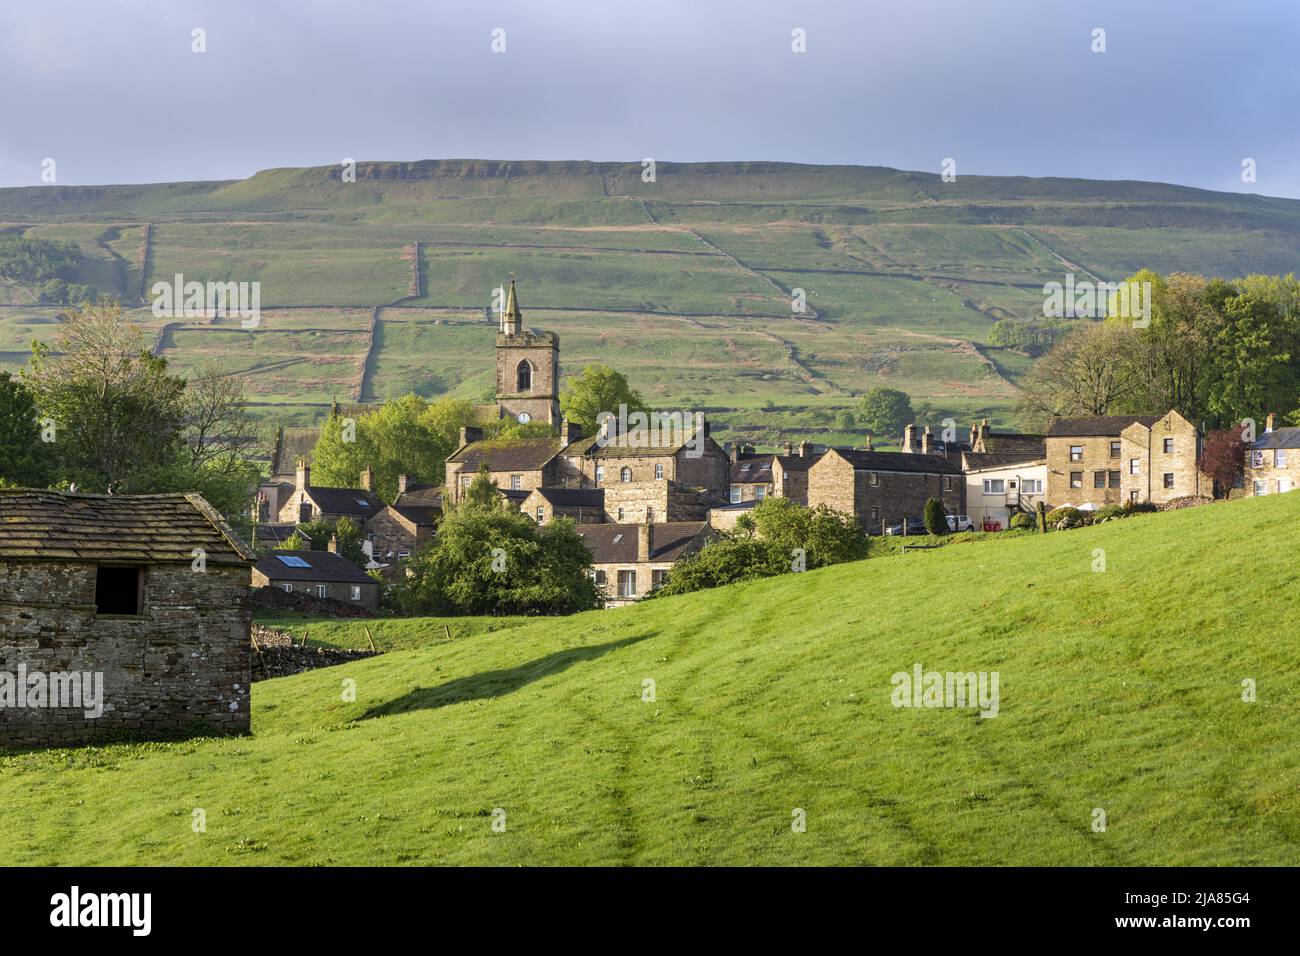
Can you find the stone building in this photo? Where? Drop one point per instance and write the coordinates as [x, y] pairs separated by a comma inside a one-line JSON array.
[[308, 502], [321, 574], [631, 560], [146, 596], [528, 371], [1273, 461], [884, 486], [1162, 461], [583, 505], [998, 487], [1112, 459], [398, 531]]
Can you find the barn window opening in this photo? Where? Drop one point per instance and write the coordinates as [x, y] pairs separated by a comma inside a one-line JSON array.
[[119, 590]]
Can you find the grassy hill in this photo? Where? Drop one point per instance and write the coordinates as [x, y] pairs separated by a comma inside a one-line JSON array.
[[1120, 690], [684, 282]]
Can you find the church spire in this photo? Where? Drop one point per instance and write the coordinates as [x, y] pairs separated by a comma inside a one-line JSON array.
[[511, 319]]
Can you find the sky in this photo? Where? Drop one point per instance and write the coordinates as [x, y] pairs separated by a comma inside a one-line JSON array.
[[1184, 92]]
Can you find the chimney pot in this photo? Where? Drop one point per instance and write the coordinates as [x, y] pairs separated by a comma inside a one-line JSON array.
[[805, 449], [909, 438], [1268, 424], [368, 479], [303, 478], [403, 481], [867, 447], [334, 544], [644, 540], [787, 449]]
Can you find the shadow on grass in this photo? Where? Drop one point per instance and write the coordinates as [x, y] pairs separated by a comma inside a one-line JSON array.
[[495, 683]]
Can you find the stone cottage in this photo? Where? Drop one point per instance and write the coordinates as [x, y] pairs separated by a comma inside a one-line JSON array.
[[120, 614]]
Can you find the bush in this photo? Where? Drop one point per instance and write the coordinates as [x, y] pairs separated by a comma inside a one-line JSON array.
[[936, 519], [1141, 507], [1066, 517], [1109, 512], [1022, 520]]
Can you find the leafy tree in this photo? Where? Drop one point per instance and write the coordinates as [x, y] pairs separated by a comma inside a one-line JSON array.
[[826, 536], [886, 411], [936, 519], [118, 413], [1223, 458], [1089, 372], [492, 560], [597, 389], [725, 561], [845, 421], [24, 458]]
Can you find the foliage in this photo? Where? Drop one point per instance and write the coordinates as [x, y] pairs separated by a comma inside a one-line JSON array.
[[1022, 520], [598, 388], [936, 519], [1064, 517], [36, 261], [886, 411], [24, 458], [1223, 458]]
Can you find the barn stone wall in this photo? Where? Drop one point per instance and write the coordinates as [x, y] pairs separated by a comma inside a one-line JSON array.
[[181, 666]]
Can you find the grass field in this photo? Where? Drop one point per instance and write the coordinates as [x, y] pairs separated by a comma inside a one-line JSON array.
[[685, 283], [1120, 691]]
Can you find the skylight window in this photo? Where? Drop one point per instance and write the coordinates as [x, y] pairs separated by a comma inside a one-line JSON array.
[[363, 503], [292, 561], [618, 537]]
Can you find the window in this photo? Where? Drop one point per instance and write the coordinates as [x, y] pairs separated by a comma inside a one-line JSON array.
[[1135, 466], [947, 484], [1114, 478], [735, 494], [1032, 486], [760, 492], [994, 486], [515, 482], [403, 555], [356, 592], [287, 587], [322, 590], [874, 480], [524, 377], [304, 512], [1257, 459], [625, 475], [1169, 446], [600, 578], [657, 579], [541, 513], [1076, 479], [620, 518], [1134, 497], [1279, 458], [1169, 479], [627, 584], [119, 590], [1076, 453], [1114, 449], [292, 561], [649, 513], [1099, 479], [875, 514], [659, 472], [1261, 487], [600, 474]]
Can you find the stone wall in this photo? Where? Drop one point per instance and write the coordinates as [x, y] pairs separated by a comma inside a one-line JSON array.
[[181, 666], [882, 496]]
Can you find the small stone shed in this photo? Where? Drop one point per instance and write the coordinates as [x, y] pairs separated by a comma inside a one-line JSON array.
[[152, 592]]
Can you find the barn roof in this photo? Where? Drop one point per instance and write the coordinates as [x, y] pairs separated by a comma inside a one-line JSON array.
[[150, 529], [326, 567]]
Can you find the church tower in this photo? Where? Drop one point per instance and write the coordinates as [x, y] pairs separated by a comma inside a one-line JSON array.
[[528, 368]]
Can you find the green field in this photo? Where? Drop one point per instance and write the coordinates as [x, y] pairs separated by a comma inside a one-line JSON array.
[[685, 283], [1119, 691]]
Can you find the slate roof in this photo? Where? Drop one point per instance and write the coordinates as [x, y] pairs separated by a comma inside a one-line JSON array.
[[1097, 426], [573, 497], [753, 469], [290, 445], [529, 454], [1012, 443], [273, 533], [346, 501], [326, 567], [418, 514], [863, 460], [150, 529], [976, 461], [616, 543], [1278, 438], [799, 462], [422, 495]]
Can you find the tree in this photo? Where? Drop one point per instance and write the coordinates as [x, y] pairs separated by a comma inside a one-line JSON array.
[[845, 422], [825, 536], [1089, 372], [886, 411], [24, 458], [597, 389], [1223, 458], [117, 411], [936, 519]]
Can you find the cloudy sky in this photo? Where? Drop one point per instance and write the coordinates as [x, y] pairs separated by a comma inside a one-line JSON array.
[[1185, 90]]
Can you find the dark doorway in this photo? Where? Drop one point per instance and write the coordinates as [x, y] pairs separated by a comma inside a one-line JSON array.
[[119, 590]]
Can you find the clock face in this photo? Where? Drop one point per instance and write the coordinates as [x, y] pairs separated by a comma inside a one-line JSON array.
[[525, 418]]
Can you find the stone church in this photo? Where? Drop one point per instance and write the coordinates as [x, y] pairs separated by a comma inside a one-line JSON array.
[[528, 371]]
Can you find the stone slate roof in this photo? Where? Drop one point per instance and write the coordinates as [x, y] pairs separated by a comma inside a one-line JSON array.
[[799, 462], [977, 461], [327, 567], [1097, 426], [862, 460], [529, 454], [150, 529], [573, 497], [1278, 438], [425, 515], [752, 469], [616, 543], [421, 495], [274, 532], [290, 445], [346, 501], [1010, 443]]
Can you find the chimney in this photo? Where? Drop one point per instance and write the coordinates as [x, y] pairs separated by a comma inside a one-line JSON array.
[[303, 479], [644, 544], [867, 446], [805, 449], [368, 479], [925, 440], [334, 544], [569, 431], [402, 482], [736, 449], [787, 449], [469, 433], [909, 438], [1268, 424]]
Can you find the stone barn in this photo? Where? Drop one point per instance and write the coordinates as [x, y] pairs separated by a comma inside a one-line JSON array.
[[120, 614]]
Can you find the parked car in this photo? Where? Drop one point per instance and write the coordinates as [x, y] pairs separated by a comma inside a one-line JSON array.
[[914, 526], [959, 523]]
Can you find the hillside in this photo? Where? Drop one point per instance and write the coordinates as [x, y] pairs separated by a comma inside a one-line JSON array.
[[378, 287], [1119, 690]]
